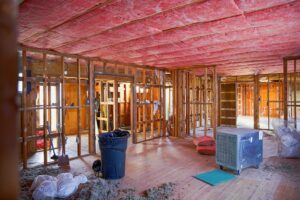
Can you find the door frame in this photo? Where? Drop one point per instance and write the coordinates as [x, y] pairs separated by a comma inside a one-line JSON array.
[[121, 78]]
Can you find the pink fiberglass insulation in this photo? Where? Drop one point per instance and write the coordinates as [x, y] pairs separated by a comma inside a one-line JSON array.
[[197, 33], [239, 36]]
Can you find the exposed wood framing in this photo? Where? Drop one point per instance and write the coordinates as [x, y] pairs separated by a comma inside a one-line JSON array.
[[24, 113], [256, 101], [133, 108], [116, 107], [78, 110], [295, 93], [45, 109], [163, 106], [205, 103], [285, 86], [23, 47], [215, 98], [63, 103], [92, 136]]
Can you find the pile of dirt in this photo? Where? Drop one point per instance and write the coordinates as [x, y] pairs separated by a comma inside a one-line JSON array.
[[162, 192]]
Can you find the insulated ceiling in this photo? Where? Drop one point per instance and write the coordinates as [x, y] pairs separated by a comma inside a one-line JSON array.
[[238, 36]]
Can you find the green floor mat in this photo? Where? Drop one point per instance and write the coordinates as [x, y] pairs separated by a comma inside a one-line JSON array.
[[215, 177]]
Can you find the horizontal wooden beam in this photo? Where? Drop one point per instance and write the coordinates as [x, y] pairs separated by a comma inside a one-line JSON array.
[[292, 58], [194, 67], [77, 56]]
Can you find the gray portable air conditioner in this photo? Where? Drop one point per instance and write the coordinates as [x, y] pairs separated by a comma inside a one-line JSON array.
[[238, 148]]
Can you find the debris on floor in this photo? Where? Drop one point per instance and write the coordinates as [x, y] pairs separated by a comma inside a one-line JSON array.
[[288, 139], [98, 189], [162, 192], [27, 177], [95, 188], [61, 186]]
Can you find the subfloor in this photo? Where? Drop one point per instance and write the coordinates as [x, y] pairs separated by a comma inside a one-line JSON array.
[[164, 160]]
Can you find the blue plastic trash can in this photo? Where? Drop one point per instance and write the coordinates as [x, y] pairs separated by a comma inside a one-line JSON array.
[[113, 147]]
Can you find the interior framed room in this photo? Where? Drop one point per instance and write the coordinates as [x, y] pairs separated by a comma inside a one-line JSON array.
[[170, 99]]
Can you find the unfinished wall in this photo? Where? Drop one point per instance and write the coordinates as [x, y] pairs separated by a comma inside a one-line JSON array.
[[58, 95]]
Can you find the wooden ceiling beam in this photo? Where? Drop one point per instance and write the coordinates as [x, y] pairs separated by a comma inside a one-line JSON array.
[[33, 49]]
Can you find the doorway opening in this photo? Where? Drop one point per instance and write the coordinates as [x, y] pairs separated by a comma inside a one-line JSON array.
[[112, 105], [245, 105]]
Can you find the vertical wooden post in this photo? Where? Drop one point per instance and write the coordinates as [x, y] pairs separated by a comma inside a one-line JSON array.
[[152, 111], [163, 103], [256, 102], [188, 105], [144, 106], [116, 105], [201, 101], [194, 101], [24, 117], [63, 103], [92, 136], [295, 94], [179, 102], [205, 103], [175, 103], [45, 109], [215, 101], [268, 101], [133, 107], [78, 110], [107, 106], [285, 97], [219, 101]]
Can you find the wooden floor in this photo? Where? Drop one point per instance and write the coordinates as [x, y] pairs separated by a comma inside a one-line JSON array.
[[163, 160]]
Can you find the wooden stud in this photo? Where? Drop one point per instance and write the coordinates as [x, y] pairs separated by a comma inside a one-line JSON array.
[[215, 113], [187, 101], [92, 135], [133, 108], [63, 103], [268, 101], [285, 97], [256, 102], [163, 104], [194, 99], [295, 94], [201, 101], [24, 117], [78, 110], [116, 105], [45, 109], [205, 103], [151, 112], [144, 105]]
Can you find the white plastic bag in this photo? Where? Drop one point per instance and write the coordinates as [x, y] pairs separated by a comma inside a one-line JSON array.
[[288, 139], [67, 185], [80, 179], [66, 188], [46, 190], [64, 185], [41, 178], [64, 176]]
